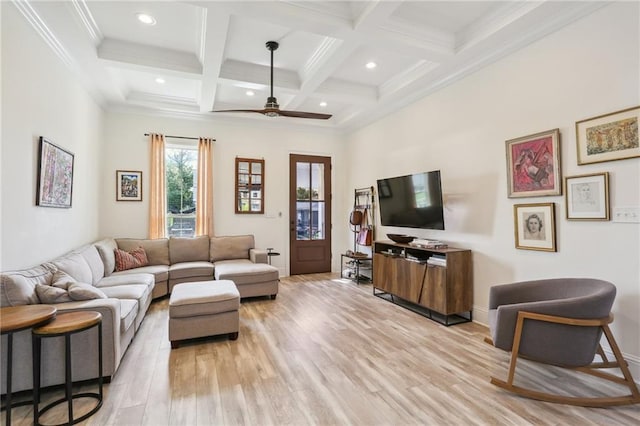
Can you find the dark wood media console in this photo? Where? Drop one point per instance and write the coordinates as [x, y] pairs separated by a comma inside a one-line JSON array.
[[403, 274]]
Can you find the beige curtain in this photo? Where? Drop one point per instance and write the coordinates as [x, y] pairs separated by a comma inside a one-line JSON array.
[[157, 209], [204, 197]]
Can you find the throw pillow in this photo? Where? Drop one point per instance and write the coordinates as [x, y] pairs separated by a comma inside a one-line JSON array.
[[131, 259], [81, 291], [49, 294], [62, 280]]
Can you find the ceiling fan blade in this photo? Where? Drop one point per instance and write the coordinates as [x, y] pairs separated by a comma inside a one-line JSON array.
[[301, 114], [259, 111]]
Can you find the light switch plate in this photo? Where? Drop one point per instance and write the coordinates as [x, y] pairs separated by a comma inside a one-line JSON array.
[[626, 214]]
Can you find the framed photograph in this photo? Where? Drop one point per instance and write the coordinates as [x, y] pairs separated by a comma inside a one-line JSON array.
[[128, 185], [533, 165], [535, 226], [384, 190], [608, 137], [587, 197], [55, 176]]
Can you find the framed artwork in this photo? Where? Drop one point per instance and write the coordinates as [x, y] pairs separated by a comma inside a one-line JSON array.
[[249, 186], [533, 165], [384, 190], [128, 185], [608, 137], [535, 226], [55, 176], [587, 197]]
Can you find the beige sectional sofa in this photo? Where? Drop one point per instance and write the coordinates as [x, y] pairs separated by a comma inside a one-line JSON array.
[[124, 296]]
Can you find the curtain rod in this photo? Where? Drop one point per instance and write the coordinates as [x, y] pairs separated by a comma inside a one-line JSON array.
[[179, 137]]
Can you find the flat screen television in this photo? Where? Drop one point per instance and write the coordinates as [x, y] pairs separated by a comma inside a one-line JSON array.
[[412, 201]]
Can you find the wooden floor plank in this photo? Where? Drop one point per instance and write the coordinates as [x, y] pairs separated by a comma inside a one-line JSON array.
[[328, 352]]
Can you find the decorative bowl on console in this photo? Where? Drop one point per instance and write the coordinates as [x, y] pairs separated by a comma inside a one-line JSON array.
[[400, 238]]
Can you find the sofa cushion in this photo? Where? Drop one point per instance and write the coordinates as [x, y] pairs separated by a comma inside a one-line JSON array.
[[50, 295], [93, 259], [158, 272], [245, 272], [105, 249], [157, 250], [128, 313], [76, 266], [19, 287], [191, 269], [183, 249], [231, 247], [82, 291], [129, 291], [135, 258], [127, 278]]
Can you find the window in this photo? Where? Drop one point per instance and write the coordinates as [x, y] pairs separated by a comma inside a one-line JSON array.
[[181, 168], [249, 185]]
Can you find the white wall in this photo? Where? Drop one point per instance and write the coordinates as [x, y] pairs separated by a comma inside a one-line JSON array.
[[41, 98], [128, 149], [587, 69]]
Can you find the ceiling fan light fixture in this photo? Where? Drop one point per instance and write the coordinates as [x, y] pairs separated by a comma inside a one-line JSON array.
[[146, 19], [371, 65]]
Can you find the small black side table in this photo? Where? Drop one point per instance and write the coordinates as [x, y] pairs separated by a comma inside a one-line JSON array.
[[17, 318], [66, 324], [271, 253]]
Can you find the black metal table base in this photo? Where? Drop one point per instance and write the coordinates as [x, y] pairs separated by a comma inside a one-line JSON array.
[[68, 395], [445, 320]]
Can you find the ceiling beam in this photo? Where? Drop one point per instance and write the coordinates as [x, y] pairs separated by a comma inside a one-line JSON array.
[[215, 26]]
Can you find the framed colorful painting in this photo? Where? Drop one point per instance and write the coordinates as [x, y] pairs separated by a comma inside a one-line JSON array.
[[535, 226], [55, 176], [533, 165], [128, 185], [608, 137]]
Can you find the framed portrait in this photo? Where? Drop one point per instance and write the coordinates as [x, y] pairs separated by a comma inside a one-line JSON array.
[[533, 165], [608, 137], [587, 196], [55, 176], [535, 226], [128, 185]]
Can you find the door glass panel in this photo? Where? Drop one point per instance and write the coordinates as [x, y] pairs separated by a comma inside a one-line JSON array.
[[317, 220], [317, 181], [303, 221], [302, 181]]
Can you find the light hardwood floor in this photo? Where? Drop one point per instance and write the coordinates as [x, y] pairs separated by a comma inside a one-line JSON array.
[[326, 352]]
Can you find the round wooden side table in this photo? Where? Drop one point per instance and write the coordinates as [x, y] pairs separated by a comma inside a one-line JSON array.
[[66, 324], [18, 318]]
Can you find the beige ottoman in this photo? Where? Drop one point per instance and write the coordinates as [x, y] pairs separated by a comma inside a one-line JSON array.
[[203, 308], [252, 279]]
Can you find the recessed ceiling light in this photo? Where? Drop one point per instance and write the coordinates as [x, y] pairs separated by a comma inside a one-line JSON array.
[[371, 65], [146, 19], [160, 80], [323, 104], [250, 93]]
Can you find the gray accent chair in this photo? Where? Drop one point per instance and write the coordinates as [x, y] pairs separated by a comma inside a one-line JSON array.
[[559, 322]]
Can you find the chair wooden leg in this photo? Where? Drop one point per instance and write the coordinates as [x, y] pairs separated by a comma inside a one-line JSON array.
[[632, 398]]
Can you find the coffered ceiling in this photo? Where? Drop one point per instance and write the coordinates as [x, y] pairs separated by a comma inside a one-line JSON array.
[[210, 54]]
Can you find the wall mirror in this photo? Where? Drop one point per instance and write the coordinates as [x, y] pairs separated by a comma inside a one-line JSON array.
[[249, 186]]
